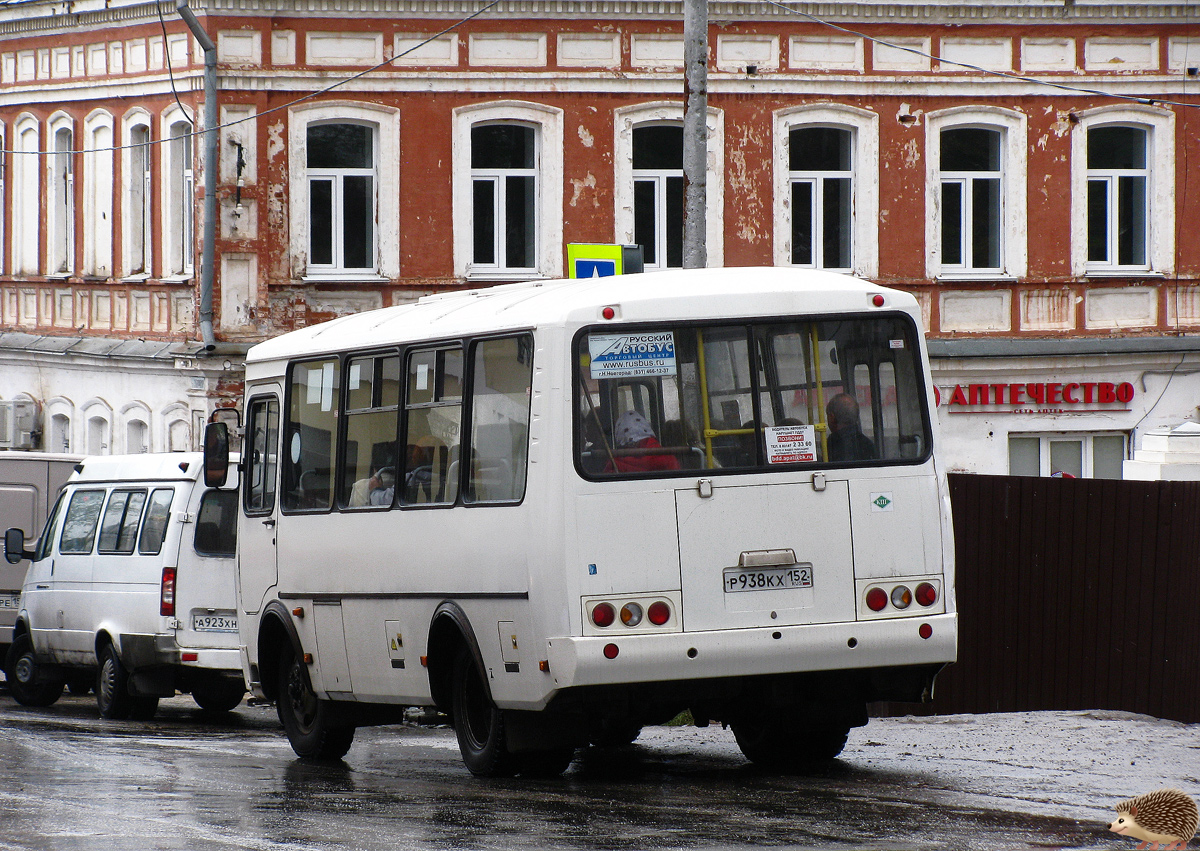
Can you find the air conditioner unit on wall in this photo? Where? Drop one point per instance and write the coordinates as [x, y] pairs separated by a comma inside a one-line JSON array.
[[18, 424]]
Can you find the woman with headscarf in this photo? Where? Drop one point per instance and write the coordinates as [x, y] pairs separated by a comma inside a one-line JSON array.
[[633, 432]]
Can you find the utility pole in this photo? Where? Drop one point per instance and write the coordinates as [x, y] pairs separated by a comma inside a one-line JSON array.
[[695, 132]]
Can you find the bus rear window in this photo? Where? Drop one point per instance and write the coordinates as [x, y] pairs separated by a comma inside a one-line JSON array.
[[742, 397]]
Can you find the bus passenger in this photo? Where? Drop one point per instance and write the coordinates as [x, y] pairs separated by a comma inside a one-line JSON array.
[[632, 432], [846, 441]]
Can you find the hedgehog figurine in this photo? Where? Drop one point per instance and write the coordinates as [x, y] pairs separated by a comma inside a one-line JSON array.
[[1166, 818]]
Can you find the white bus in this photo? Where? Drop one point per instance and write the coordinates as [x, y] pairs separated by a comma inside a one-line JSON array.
[[559, 511]]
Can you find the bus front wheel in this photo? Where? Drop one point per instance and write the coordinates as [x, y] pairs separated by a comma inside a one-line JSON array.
[[21, 671], [308, 721]]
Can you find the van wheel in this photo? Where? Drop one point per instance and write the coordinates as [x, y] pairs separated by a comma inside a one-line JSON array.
[[776, 743], [308, 720], [219, 696], [112, 691], [478, 724], [21, 671]]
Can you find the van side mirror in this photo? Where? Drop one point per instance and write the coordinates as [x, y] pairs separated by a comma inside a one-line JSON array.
[[14, 546], [216, 454]]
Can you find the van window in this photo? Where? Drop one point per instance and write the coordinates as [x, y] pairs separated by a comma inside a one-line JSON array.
[[118, 530], [79, 526], [46, 542], [216, 524], [157, 516]]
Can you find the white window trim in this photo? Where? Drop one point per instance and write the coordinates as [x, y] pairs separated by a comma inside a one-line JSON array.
[[626, 119], [26, 201], [169, 201], [140, 412], [97, 409], [548, 122], [55, 263], [4, 191], [864, 127], [61, 406], [1014, 251], [97, 197], [1085, 437], [135, 119], [387, 186], [1160, 194]]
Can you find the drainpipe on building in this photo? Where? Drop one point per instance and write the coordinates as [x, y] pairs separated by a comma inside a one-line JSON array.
[[208, 245], [695, 133]]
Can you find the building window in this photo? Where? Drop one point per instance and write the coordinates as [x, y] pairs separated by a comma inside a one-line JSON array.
[[98, 196], [340, 160], [821, 175], [26, 215], [1070, 455], [504, 196], [180, 201], [507, 173], [971, 199], [62, 203], [137, 202], [1117, 203], [658, 194]]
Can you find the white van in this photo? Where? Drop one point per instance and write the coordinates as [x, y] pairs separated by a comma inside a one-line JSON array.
[[130, 590]]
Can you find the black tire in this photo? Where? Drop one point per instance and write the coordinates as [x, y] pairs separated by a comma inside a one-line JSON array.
[[478, 724], [219, 695], [21, 672], [309, 722], [775, 743], [112, 691]]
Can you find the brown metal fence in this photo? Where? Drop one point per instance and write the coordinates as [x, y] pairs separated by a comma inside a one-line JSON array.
[[1075, 594]]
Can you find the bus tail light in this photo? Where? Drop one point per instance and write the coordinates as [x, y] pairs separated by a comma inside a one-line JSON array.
[[901, 597], [877, 598], [926, 594], [659, 613], [603, 615], [631, 614], [166, 604]]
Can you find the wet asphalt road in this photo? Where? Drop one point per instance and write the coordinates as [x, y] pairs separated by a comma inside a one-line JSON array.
[[187, 780]]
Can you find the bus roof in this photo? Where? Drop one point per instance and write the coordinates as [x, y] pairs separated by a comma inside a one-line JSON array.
[[676, 295]]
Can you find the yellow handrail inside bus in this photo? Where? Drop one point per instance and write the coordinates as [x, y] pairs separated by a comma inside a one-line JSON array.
[[708, 435], [822, 425]]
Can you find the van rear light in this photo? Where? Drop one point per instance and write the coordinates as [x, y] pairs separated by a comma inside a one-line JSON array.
[[926, 594], [603, 615], [659, 613], [166, 606], [877, 598]]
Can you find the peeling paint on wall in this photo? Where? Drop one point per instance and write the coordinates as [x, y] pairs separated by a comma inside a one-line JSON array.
[[588, 183], [584, 136]]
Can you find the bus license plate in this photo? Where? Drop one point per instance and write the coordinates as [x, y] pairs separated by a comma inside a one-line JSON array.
[[214, 623], [768, 578], [10, 601]]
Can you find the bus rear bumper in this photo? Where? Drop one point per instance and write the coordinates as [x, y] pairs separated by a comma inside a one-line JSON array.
[[576, 662]]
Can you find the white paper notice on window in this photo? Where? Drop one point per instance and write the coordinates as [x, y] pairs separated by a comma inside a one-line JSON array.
[[793, 444], [632, 355], [422, 376]]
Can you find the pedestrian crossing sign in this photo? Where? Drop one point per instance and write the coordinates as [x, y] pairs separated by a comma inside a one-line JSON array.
[[595, 260]]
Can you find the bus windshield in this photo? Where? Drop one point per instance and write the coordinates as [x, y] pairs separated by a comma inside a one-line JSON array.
[[767, 395]]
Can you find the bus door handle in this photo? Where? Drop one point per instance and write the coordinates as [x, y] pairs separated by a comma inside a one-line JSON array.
[[269, 522], [818, 482], [705, 488]]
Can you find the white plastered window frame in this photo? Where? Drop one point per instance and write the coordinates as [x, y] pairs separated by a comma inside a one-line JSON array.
[[98, 194], [4, 142], [138, 412], [864, 131], [175, 428], [1159, 125], [60, 165], [60, 406], [26, 196], [137, 231], [177, 258], [386, 122], [97, 427], [666, 112], [1013, 128], [548, 125]]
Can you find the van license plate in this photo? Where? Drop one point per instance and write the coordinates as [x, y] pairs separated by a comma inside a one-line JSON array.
[[768, 578], [214, 623], [10, 601]]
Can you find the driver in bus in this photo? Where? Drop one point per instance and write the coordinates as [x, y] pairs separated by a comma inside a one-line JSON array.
[[846, 441], [633, 432]]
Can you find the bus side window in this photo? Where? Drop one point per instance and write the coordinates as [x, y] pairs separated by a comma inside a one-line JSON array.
[[368, 463], [311, 431], [433, 405], [262, 441], [502, 378]]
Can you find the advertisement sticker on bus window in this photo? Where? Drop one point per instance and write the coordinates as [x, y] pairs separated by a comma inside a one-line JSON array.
[[793, 444], [632, 355]]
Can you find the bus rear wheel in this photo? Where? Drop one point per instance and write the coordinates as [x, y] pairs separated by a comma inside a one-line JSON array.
[[780, 743], [308, 721], [478, 724], [21, 672]]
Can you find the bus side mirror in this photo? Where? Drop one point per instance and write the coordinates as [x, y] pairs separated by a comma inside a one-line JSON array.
[[14, 546], [216, 454]]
